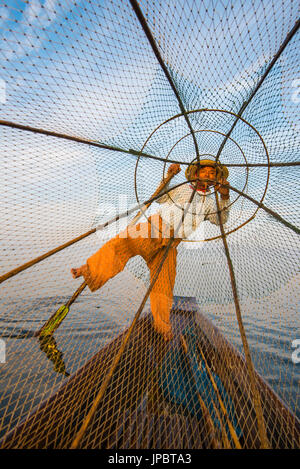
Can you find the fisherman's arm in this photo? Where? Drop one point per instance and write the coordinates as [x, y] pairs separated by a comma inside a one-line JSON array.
[[172, 171], [224, 202]]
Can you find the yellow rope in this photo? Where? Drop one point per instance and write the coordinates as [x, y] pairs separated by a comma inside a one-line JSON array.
[[205, 411], [223, 408]]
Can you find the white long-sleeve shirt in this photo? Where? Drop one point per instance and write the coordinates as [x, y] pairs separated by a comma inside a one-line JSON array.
[[203, 207]]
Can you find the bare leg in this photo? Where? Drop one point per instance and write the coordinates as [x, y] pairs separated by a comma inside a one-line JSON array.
[[161, 296], [167, 334], [107, 262], [78, 272]]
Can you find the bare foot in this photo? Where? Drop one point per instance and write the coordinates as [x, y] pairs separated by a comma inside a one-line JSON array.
[[76, 272], [166, 334]]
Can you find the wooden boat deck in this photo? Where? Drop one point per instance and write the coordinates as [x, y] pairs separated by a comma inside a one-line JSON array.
[[134, 413]]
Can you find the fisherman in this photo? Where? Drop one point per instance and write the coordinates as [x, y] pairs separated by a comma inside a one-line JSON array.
[[150, 238]]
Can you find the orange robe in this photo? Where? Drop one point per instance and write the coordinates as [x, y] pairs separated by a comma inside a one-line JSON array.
[[149, 240]]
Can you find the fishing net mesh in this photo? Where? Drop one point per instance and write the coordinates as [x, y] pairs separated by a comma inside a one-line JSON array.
[[91, 119]]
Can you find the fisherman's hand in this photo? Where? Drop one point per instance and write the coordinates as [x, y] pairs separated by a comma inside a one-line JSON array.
[[223, 190], [174, 169]]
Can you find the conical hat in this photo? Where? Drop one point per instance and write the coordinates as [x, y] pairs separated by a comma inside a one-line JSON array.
[[222, 171]]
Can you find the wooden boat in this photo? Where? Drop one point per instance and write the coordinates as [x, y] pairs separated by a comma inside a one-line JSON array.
[[136, 412]]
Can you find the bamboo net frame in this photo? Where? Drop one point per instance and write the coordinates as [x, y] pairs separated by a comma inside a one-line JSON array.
[[241, 101]]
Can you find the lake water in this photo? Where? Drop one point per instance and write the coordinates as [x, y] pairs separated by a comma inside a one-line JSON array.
[[28, 376]]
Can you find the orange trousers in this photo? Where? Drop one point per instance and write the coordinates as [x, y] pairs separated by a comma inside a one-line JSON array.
[[148, 240]]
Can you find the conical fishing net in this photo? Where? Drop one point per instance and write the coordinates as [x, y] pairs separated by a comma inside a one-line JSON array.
[[98, 100]]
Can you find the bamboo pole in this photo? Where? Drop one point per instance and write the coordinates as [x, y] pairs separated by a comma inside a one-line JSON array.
[[222, 406], [117, 358], [160, 188], [56, 319], [256, 396]]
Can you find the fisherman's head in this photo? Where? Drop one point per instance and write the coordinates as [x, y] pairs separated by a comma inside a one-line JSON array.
[[206, 173], [203, 173]]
